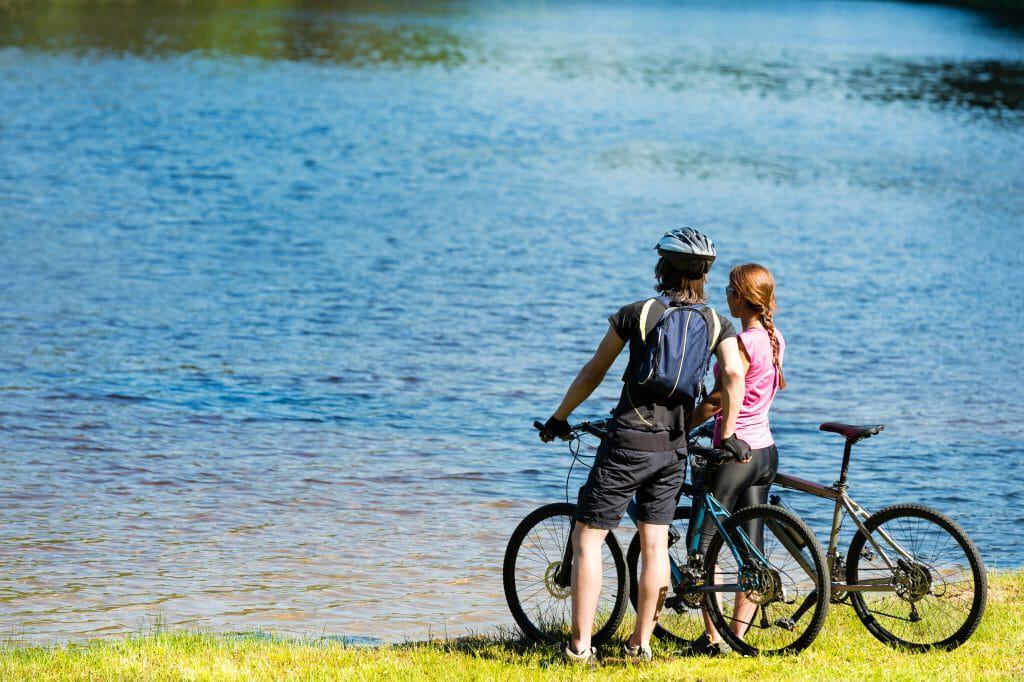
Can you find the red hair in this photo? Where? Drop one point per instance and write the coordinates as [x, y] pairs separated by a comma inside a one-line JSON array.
[[755, 285]]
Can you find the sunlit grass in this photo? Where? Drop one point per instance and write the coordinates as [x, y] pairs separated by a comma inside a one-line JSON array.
[[844, 651]]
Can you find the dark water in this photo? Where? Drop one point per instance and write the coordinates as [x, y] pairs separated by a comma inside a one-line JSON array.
[[282, 289]]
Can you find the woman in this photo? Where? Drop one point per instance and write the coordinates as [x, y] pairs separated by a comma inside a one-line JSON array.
[[751, 297], [645, 452]]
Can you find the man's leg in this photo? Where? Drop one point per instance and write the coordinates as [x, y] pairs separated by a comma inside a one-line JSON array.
[[586, 582], [654, 581]]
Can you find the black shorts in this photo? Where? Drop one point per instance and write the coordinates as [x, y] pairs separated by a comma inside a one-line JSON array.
[[656, 479]]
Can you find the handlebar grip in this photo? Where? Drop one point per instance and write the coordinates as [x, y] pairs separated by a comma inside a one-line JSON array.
[[712, 455], [537, 425]]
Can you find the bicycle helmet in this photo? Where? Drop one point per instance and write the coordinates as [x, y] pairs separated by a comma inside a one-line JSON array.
[[687, 250]]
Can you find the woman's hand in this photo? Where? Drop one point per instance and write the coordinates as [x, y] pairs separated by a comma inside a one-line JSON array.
[[739, 448]]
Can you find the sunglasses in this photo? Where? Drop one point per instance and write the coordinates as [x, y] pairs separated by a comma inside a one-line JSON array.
[[729, 291]]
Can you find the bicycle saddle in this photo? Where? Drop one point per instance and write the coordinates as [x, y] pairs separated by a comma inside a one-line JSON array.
[[852, 432]]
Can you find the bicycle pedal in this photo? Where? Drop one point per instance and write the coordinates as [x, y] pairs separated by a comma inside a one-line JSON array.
[[674, 536], [786, 624]]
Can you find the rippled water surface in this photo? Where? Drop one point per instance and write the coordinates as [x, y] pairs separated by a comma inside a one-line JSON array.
[[282, 289]]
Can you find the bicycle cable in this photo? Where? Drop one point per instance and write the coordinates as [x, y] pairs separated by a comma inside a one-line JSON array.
[[574, 450]]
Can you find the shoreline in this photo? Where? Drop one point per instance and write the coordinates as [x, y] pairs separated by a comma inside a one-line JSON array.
[[844, 644], [1013, 8]]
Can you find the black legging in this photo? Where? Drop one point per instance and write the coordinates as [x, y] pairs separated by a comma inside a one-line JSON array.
[[737, 486]]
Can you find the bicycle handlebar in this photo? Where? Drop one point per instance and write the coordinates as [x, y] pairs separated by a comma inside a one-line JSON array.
[[595, 428], [712, 456]]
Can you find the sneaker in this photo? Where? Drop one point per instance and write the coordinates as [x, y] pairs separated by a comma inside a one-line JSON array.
[[703, 646], [637, 653], [588, 657]]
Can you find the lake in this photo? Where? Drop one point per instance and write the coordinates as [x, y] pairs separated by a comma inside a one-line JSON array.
[[283, 288]]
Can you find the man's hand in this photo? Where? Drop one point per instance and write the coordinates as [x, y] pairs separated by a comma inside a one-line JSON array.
[[739, 448], [555, 428]]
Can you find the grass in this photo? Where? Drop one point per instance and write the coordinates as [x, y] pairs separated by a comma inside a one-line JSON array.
[[844, 651]]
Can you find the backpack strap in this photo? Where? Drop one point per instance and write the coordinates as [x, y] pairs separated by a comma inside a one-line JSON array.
[[644, 312], [716, 324]]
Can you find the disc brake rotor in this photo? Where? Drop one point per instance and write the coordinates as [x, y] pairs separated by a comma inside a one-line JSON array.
[[912, 581], [554, 589], [761, 585]]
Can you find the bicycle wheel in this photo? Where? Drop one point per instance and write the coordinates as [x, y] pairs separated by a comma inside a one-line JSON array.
[[784, 601], [937, 590], [534, 556], [680, 620]]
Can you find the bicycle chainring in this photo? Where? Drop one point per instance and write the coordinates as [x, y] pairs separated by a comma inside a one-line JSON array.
[[692, 600], [839, 569], [685, 589]]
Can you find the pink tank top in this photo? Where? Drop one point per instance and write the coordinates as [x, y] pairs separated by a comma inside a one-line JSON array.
[[761, 386]]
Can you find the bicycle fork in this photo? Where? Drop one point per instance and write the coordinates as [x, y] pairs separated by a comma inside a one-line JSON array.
[[563, 578]]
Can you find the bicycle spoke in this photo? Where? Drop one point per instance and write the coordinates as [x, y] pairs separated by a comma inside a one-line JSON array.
[[778, 613], [933, 591], [546, 603]]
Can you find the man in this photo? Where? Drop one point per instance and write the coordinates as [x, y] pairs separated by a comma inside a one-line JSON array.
[[645, 452]]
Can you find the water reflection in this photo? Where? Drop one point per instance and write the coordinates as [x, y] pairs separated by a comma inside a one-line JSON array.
[[982, 84], [453, 35], [992, 85], [281, 29]]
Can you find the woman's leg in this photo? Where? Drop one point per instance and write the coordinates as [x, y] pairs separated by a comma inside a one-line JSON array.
[[744, 609], [586, 582], [767, 464], [727, 482], [654, 581]]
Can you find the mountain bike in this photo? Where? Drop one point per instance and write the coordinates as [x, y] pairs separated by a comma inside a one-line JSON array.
[[913, 576], [786, 578]]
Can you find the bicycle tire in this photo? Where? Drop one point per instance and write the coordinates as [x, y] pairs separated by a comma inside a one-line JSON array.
[[557, 630], [816, 594], [867, 615], [668, 628]]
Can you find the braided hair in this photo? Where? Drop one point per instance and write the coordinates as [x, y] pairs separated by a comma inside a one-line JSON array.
[[755, 285]]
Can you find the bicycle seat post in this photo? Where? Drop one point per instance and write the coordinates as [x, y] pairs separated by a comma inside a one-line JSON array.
[[852, 434], [847, 449]]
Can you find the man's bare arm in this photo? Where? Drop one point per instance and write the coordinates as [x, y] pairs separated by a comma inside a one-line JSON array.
[[591, 375], [732, 371]]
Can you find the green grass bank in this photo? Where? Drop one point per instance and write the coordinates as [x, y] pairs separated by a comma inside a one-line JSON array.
[[844, 651]]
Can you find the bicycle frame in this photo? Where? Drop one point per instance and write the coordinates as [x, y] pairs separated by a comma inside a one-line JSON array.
[[709, 505], [843, 502]]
